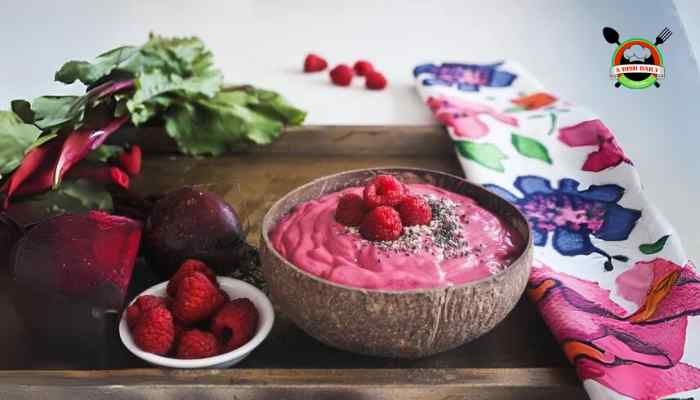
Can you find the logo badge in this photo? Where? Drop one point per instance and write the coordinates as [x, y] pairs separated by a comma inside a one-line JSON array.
[[636, 63]]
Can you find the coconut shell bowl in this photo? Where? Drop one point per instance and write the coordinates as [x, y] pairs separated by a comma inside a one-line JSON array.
[[402, 324]]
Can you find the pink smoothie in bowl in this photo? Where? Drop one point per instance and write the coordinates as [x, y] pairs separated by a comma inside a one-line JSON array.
[[462, 243]]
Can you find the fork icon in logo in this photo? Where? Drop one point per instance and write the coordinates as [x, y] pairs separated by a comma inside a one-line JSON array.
[[663, 36]]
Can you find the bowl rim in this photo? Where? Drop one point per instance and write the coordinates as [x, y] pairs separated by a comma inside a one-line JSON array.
[[527, 249], [267, 318]]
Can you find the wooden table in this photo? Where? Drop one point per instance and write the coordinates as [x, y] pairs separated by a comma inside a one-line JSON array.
[[518, 359]]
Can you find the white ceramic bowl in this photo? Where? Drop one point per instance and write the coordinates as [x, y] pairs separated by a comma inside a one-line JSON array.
[[235, 288]]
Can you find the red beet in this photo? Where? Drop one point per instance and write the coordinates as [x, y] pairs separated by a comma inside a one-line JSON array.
[[193, 224], [10, 233], [82, 255], [69, 271]]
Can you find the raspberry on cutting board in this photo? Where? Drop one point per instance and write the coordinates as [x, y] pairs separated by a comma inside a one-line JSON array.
[[341, 75], [314, 63], [362, 67], [375, 80]]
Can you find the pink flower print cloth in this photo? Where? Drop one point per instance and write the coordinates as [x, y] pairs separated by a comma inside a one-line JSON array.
[[611, 278]]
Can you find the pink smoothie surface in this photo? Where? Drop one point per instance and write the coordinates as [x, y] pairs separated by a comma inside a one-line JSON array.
[[310, 238]]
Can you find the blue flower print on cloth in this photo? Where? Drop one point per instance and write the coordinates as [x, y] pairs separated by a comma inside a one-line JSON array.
[[572, 216], [465, 77]]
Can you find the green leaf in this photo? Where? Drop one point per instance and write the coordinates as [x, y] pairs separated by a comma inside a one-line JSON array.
[[530, 148], [23, 109], [255, 126], [15, 138], [273, 105], [76, 196], [175, 84], [148, 99], [105, 152], [51, 111], [41, 140], [485, 154], [90, 195], [184, 123], [182, 56], [653, 248], [121, 58]]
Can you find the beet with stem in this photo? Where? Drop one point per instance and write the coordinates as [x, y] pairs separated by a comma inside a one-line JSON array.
[[189, 223]]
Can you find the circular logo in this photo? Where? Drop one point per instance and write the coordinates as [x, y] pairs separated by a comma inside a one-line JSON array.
[[637, 64]]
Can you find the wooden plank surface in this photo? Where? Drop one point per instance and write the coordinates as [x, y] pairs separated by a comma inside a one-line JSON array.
[[519, 358], [244, 384]]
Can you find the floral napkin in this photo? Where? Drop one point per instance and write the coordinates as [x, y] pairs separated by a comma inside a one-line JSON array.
[[611, 278]]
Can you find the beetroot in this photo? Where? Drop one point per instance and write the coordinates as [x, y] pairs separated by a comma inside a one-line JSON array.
[[10, 233], [192, 224], [88, 256], [71, 274]]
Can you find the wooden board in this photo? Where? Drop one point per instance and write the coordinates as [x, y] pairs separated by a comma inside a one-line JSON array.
[[518, 359]]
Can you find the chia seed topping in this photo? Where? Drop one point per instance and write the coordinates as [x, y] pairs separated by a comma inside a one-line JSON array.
[[442, 237]]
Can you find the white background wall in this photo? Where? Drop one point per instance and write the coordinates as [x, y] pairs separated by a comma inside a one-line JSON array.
[[264, 42]]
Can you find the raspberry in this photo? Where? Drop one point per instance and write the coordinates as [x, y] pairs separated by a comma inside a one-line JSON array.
[[130, 160], [341, 75], [362, 67], [235, 324], [140, 306], [196, 299], [186, 269], [314, 63], [415, 211], [351, 210], [382, 223], [375, 80], [197, 344], [155, 331], [384, 190]]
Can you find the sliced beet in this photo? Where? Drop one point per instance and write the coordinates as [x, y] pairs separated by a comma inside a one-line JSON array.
[[87, 256], [71, 274], [10, 233], [193, 224]]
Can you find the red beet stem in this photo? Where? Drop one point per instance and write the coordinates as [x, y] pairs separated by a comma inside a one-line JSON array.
[[79, 143], [45, 166], [34, 173], [130, 160], [101, 174], [110, 87]]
